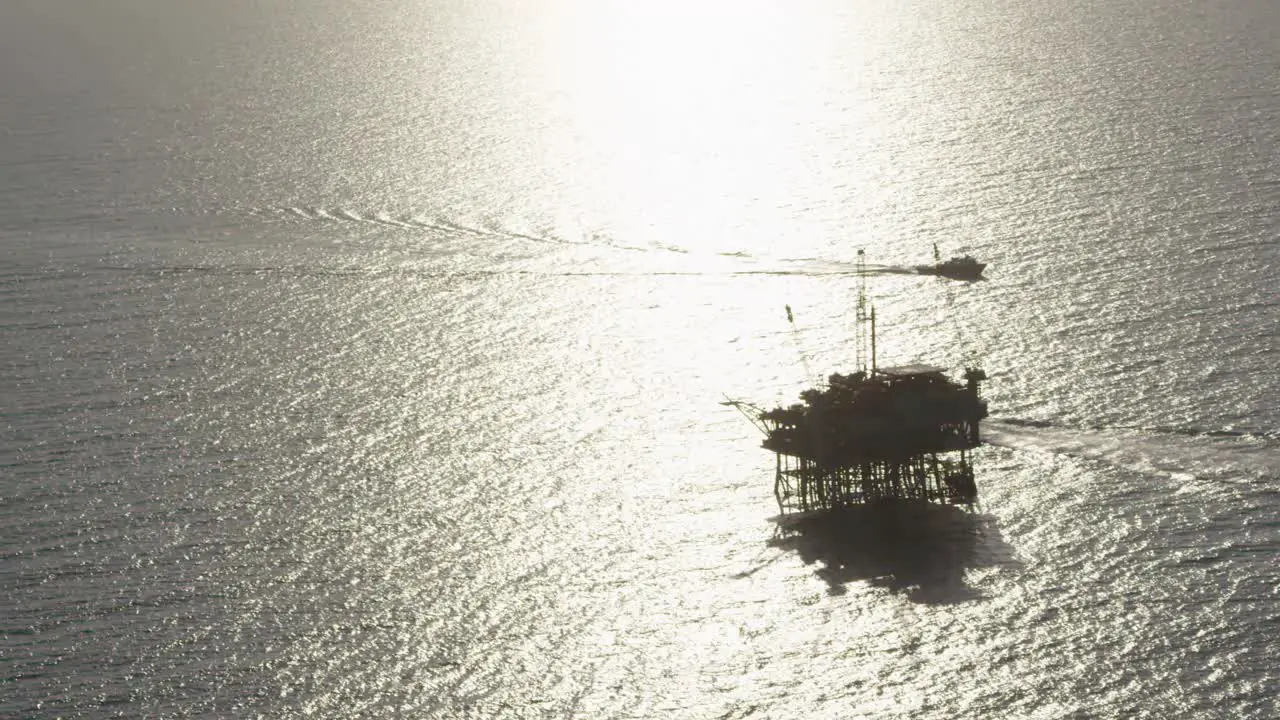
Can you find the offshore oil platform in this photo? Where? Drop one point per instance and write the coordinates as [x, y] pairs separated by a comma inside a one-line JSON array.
[[876, 434]]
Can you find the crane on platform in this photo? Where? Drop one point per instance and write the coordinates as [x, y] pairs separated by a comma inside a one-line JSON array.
[[804, 356]]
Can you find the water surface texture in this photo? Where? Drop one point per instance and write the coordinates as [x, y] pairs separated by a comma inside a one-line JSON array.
[[364, 359]]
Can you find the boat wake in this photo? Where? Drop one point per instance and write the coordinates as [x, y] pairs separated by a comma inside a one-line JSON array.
[[494, 230], [1177, 453], [426, 223]]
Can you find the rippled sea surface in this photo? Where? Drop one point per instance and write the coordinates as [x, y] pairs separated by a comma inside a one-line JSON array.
[[365, 359]]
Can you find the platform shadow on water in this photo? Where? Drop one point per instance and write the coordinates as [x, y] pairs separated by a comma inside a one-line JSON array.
[[920, 550]]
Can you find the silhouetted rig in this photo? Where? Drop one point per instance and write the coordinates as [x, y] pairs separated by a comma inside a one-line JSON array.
[[902, 433], [879, 434]]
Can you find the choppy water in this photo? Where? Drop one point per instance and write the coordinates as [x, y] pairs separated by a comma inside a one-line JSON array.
[[364, 359]]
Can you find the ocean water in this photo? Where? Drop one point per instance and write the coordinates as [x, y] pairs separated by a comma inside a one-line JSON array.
[[365, 359]]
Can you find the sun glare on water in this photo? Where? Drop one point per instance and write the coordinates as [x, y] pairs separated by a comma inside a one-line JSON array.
[[698, 124]]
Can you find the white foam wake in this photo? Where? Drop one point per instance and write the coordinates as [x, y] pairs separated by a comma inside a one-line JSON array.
[[1179, 455]]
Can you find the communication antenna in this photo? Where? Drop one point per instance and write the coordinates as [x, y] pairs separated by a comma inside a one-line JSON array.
[[864, 325]]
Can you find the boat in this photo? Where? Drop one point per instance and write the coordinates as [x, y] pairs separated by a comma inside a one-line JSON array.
[[956, 268]]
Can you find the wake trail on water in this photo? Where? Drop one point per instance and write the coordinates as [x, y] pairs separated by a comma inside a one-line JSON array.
[[1176, 453], [494, 230], [293, 271], [428, 223]]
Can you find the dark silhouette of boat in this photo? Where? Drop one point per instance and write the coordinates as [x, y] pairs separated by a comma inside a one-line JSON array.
[[956, 268]]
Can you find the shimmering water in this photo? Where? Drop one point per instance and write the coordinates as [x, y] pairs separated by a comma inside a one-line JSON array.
[[363, 359]]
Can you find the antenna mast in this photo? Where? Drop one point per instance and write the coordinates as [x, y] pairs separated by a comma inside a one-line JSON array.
[[864, 318]]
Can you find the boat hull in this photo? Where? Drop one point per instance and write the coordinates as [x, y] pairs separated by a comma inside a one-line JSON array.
[[967, 271]]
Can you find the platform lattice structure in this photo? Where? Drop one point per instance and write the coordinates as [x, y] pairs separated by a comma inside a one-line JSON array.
[[889, 434]]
